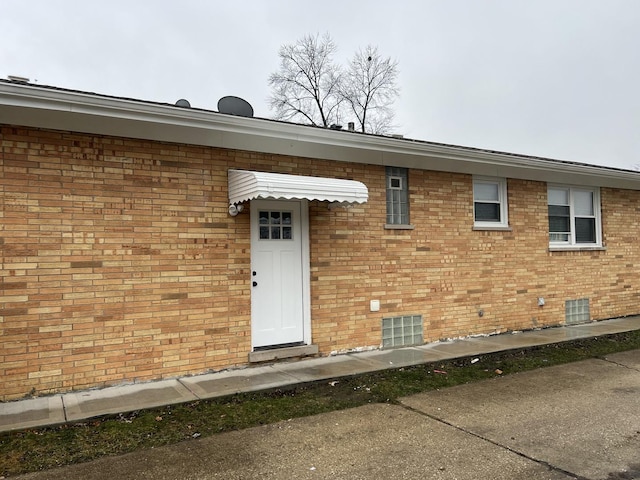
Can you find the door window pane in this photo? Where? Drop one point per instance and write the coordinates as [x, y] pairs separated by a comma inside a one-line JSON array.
[[275, 225]]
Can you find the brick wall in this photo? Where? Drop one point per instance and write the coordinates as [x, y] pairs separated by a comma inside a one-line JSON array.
[[121, 263]]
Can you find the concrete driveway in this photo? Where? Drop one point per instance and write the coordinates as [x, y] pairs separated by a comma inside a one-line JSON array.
[[577, 421]]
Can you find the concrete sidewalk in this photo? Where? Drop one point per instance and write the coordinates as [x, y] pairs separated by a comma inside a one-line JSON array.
[[577, 421], [75, 406]]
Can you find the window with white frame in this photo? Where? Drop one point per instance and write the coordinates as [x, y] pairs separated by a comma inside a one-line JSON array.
[[397, 196], [574, 216], [490, 202]]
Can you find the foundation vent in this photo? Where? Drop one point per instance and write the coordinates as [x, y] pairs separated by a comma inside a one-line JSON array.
[[402, 331], [577, 311]]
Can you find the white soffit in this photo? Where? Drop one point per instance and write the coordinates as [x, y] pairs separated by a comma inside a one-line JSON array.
[[246, 185], [59, 109]]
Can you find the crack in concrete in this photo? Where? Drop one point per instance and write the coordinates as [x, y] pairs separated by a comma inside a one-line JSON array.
[[488, 440], [189, 389], [604, 359], [64, 408]]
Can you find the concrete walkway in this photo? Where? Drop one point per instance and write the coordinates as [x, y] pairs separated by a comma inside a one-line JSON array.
[[75, 406], [576, 421]]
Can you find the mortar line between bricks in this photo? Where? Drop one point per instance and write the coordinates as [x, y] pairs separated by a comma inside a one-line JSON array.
[[499, 445]]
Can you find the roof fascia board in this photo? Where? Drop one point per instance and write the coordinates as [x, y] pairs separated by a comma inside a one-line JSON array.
[[89, 113]]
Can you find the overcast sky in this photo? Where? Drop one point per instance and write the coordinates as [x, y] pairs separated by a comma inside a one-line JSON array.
[[551, 78]]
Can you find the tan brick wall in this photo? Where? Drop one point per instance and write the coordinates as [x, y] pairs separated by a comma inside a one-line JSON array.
[[121, 263]]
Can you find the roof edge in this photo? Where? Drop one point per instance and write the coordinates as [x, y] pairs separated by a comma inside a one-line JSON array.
[[61, 109]]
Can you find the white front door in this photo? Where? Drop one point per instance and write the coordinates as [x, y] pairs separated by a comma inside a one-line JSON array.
[[277, 306]]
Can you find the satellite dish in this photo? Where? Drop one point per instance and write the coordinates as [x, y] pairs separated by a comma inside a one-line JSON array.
[[183, 103], [235, 106]]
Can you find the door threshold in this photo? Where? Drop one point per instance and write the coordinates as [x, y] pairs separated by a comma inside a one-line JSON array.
[[279, 346], [280, 353]]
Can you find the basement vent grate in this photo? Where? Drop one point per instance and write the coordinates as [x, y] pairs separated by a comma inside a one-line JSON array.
[[402, 331], [577, 311]]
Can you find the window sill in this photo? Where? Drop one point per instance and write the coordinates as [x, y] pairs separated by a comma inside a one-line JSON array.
[[477, 228], [392, 226], [575, 248]]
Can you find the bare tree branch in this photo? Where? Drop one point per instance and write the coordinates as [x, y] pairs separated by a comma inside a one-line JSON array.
[[310, 88], [369, 89], [306, 86]]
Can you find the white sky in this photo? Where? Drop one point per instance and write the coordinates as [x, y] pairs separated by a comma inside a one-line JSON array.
[[551, 78]]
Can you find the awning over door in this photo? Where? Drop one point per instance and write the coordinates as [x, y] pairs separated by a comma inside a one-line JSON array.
[[246, 185]]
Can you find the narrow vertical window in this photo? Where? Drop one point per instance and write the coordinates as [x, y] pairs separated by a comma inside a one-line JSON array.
[[397, 196]]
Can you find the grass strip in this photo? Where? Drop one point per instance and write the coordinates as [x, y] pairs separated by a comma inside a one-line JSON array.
[[45, 448]]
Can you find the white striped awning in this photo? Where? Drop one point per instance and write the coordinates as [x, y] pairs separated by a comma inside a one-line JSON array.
[[246, 185]]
